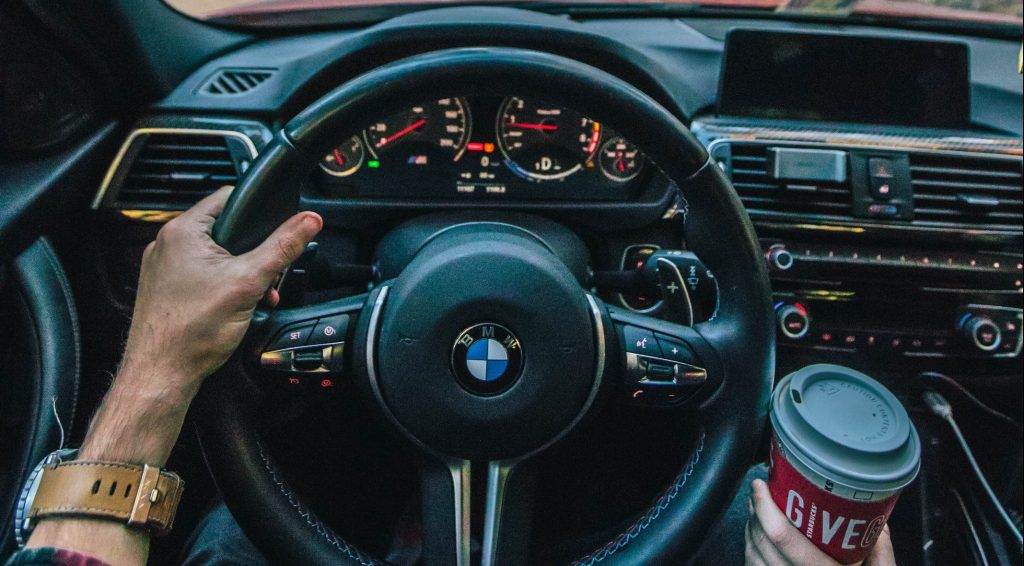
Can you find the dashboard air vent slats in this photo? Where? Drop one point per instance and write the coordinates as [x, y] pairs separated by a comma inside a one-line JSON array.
[[967, 190], [174, 170], [762, 193], [228, 82]]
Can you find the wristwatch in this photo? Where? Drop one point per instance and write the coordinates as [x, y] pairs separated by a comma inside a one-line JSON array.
[[143, 497]]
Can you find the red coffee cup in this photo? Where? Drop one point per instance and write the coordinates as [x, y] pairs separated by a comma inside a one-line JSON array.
[[843, 447]]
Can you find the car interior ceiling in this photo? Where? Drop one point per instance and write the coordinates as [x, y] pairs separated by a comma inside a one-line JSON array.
[[885, 191]]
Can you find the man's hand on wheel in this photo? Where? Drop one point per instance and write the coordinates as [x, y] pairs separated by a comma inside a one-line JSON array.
[[195, 299], [194, 304], [771, 540]]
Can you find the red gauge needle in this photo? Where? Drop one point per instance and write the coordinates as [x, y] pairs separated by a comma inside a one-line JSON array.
[[338, 158], [545, 127], [402, 132]]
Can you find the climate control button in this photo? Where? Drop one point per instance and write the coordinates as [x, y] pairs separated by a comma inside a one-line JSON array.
[[794, 322], [983, 332]]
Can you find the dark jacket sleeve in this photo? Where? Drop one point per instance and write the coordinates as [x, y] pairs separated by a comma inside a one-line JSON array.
[[52, 557]]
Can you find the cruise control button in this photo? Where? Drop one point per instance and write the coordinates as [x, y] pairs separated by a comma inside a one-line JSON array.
[[308, 359], [657, 371], [640, 341], [676, 351], [292, 336], [329, 330]]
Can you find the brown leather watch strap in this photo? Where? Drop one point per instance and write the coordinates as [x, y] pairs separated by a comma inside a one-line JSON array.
[[140, 496]]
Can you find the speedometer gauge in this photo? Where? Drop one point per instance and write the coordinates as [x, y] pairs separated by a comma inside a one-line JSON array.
[[542, 142], [426, 132]]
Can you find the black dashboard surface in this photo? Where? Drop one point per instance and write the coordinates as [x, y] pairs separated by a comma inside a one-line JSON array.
[[677, 61]]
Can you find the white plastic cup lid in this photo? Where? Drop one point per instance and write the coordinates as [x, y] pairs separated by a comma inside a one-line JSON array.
[[847, 427]]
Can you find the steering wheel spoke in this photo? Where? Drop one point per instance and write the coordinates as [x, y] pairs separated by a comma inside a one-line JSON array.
[[508, 512], [445, 503]]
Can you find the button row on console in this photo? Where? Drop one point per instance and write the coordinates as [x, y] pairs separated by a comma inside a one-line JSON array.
[[905, 258]]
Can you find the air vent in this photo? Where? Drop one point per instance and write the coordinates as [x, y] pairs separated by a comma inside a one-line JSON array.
[[174, 169], [230, 82], [966, 190], [762, 193]]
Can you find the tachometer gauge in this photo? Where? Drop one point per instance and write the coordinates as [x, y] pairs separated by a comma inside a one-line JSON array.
[[345, 159], [436, 130], [542, 142], [620, 160]]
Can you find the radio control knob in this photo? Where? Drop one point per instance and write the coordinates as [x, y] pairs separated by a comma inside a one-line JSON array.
[[983, 332], [779, 258], [794, 323]]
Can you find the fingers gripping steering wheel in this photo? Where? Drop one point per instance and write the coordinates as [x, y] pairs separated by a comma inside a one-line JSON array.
[[487, 273]]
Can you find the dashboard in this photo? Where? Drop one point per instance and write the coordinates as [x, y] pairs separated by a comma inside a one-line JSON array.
[[483, 148]]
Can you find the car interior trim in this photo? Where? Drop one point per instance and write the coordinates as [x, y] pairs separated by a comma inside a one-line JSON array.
[[497, 479], [461, 479], [958, 145]]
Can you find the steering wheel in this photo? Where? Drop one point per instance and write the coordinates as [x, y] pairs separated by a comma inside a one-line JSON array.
[[486, 282]]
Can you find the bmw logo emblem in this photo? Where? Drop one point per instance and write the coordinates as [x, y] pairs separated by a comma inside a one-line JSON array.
[[487, 358]]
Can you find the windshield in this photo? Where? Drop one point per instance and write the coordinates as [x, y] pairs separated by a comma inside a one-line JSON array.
[[974, 11]]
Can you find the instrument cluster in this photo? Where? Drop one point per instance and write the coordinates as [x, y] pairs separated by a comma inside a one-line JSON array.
[[484, 148]]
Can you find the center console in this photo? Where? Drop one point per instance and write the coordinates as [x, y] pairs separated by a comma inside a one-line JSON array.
[[891, 228], [900, 256]]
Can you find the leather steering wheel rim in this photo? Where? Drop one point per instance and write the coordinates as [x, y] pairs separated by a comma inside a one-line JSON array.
[[717, 228]]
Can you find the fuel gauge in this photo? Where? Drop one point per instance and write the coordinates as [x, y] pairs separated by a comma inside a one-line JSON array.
[[620, 160], [345, 159]]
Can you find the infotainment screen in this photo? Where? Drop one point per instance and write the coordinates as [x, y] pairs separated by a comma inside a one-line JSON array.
[[845, 78]]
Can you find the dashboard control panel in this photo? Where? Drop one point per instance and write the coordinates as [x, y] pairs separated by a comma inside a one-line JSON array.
[[799, 260], [969, 331]]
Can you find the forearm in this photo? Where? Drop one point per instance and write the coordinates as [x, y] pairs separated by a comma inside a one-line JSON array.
[[139, 420], [137, 423]]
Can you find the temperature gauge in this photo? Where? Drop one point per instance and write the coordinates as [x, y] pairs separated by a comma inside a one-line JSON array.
[[620, 160], [345, 159]]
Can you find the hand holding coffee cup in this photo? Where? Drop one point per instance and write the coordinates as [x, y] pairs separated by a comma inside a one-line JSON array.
[[843, 447], [771, 540]]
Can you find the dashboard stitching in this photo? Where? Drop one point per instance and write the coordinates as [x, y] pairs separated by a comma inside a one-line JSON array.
[[645, 521], [310, 518]]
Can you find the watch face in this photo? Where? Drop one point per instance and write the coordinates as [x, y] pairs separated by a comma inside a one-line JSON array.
[[22, 524]]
